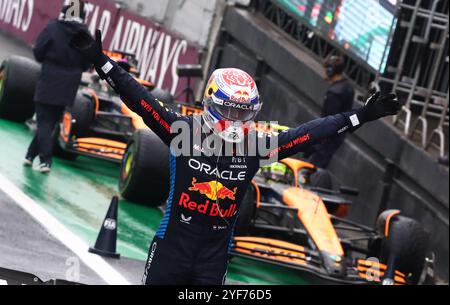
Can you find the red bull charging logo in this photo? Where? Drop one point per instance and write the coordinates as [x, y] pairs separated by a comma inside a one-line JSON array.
[[213, 190]]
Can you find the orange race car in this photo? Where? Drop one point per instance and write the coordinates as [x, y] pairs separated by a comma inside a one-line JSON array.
[[290, 217], [98, 124]]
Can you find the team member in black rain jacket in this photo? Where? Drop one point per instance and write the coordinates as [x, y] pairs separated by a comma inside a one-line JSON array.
[[338, 98], [58, 82]]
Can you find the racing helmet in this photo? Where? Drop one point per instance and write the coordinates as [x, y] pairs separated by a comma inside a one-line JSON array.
[[231, 103]]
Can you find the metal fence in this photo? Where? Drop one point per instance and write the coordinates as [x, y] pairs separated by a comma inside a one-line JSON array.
[[418, 70]]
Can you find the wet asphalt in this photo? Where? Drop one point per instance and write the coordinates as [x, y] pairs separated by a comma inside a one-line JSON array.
[[26, 246]]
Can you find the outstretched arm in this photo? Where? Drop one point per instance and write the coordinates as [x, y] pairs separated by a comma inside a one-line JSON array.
[[135, 96], [301, 138]]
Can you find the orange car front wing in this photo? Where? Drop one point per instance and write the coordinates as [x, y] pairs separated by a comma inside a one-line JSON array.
[[300, 258]]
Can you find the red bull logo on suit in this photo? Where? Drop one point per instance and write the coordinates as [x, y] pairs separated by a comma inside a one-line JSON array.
[[214, 191], [208, 208]]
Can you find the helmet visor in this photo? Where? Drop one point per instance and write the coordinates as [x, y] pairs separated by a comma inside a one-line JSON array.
[[233, 111], [235, 114]]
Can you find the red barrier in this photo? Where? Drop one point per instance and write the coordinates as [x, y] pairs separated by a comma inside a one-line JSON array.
[[158, 51]]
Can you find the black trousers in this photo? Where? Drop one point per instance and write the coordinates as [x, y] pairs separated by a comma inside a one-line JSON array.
[[42, 145], [184, 260]]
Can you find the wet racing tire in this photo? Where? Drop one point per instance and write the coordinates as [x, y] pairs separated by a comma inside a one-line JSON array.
[[144, 175], [83, 114], [18, 78], [246, 213], [408, 242]]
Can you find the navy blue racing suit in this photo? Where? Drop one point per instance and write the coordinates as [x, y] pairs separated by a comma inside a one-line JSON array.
[[191, 246]]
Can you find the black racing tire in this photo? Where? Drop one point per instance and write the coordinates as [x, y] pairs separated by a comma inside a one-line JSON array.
[[58, 151], [144, 175], [408, 242], [321, 179], [18, 78], [83, 114], [246, 212]]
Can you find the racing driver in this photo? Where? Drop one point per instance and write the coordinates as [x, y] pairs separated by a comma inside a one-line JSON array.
[[192, 243]]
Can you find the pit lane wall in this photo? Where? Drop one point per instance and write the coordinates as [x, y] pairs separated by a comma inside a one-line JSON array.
[[292, 88], [158, 50]]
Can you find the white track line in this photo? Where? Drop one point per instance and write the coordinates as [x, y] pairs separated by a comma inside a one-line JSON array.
[[60, 232]]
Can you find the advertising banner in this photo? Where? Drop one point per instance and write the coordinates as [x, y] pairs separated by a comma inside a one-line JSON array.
[[158, 51]]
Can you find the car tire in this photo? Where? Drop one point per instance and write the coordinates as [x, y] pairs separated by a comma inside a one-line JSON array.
[[246, 212], [144, 175], [408, 242], [19, 76], [83, 114]]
